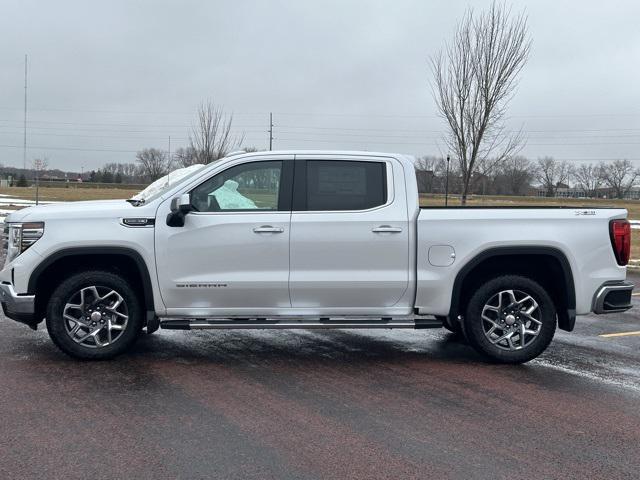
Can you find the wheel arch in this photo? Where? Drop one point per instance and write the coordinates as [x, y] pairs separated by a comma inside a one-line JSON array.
[[551, 268], [117, 259]]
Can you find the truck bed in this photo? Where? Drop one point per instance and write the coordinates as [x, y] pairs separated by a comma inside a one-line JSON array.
[[449, 238]]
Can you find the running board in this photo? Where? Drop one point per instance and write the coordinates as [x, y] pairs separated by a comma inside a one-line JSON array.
[[227, 323]]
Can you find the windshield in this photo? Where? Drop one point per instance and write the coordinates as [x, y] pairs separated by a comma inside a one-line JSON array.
[[160, 186]]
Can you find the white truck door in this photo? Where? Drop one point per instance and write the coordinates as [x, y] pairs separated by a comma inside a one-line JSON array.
[[232, 254], [349, 233]]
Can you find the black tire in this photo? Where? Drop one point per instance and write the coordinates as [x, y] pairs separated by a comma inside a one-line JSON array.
[[478, 329], [59, 327]]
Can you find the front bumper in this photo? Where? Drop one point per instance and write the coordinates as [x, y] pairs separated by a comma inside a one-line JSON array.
[[18, 307], [613, 297]]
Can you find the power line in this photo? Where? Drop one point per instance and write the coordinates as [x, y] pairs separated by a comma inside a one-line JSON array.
[[441, 131], [374, 115], [34, 124], [45, 147], [294, 139], [124, 112], [370, 135], [326, 114], [49, 122], [98, 135], [60, 131]]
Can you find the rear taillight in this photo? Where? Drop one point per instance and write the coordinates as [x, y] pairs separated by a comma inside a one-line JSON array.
[[620, 231]]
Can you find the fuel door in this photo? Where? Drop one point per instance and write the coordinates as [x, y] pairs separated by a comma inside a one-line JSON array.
[[441, 255]]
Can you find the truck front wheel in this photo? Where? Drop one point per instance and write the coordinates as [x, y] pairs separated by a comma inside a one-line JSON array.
[[510, 319], [94, 315]]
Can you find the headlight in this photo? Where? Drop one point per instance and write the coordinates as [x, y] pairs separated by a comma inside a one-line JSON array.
[[21, 236]]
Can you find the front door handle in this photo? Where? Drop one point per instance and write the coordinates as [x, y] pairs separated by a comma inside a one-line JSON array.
[[386, 229], [268, 229]]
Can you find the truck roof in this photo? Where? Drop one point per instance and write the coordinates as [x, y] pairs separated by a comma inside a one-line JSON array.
[[323, 152]]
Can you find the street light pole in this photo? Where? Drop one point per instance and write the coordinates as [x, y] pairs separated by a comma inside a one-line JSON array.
[[37, 165], [446, 184]]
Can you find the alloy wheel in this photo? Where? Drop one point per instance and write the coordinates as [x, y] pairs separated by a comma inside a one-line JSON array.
[[511, 319], [95, 316]]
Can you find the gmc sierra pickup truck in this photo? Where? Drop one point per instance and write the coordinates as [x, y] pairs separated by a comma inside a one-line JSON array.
[[310, 239]]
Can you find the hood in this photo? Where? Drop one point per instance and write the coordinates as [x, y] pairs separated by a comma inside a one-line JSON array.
[[89, 209], [168, 180]]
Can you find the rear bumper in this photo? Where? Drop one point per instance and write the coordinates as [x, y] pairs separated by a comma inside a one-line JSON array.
[[613, 297], [20, 308]]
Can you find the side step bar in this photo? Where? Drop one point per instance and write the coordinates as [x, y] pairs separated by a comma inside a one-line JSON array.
[[227, 323]]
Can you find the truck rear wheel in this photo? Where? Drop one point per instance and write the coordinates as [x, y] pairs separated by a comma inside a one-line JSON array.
[[510, 319], [94, 315]]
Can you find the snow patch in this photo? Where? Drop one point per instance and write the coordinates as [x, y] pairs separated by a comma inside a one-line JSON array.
[[163, 182], [4, 201]]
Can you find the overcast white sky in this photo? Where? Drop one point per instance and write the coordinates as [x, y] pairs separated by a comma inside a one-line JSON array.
[[109, 78]]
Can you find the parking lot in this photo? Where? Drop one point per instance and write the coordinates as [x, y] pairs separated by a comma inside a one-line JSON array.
[[329, 404]]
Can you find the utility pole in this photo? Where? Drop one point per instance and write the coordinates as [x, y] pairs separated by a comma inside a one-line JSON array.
[[271, 131], [169, 162], [24, 145], [446, 185]]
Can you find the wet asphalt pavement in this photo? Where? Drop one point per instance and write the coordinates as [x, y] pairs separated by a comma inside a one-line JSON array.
[[322, 404]]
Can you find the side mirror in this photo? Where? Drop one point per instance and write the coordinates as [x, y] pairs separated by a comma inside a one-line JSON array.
[[180, 206]]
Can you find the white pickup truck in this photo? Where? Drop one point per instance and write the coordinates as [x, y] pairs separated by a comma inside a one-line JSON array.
[[310, 239]]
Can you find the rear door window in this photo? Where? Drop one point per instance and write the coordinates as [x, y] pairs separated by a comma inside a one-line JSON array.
[[345, 185]]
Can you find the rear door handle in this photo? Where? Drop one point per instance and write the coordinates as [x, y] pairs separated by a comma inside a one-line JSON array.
[[268, 229], [386, 229]]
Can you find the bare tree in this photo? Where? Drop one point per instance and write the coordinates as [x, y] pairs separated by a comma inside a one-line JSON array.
[[474, 79], [620, 176], [551, 172], [441, 175], [516, 175], [426, 163], [186, 157], [130, 172], [153, 162], [111, 168], [425, 173], [211, 137], [589, 178], [40, 164]]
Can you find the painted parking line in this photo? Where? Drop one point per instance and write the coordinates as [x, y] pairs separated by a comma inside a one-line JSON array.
[[621, 334], [635, 294]]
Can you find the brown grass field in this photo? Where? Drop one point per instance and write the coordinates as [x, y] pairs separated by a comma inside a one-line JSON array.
[[69, 194], [74, 193]]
